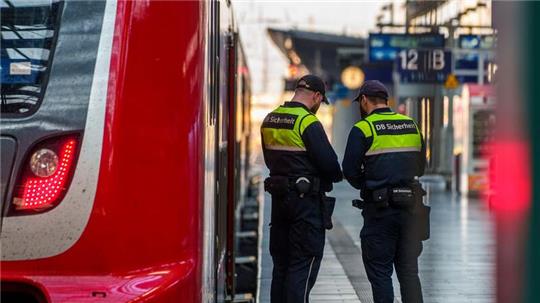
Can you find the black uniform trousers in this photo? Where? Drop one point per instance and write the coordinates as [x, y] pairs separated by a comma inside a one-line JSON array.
[[297, 240], [387, 240]]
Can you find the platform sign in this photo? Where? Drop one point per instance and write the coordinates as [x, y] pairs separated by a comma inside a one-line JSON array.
[[451, 82], [386, 47], [423, 66], [476, 41]]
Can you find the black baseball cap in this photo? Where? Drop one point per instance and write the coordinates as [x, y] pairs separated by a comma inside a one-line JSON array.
[[313, 83], [372, 88]]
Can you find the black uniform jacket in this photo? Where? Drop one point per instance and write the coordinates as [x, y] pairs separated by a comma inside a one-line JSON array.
[[319, 159], [382, 170]]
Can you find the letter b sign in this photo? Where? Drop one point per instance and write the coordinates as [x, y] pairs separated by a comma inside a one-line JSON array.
[[438, 59]]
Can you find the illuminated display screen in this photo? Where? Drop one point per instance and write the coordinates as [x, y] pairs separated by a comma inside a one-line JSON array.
[[476, 42], [385, 47]]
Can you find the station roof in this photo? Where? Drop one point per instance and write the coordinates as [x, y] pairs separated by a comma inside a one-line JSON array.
[[318, 52], [279, 36]]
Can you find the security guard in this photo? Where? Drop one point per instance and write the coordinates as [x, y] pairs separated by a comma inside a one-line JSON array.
[[303, 166], [384, 155]]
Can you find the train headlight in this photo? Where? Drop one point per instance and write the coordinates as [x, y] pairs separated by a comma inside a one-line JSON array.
[[44, 163]]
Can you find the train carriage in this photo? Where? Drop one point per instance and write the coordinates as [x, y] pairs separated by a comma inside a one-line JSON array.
[[124, 152]]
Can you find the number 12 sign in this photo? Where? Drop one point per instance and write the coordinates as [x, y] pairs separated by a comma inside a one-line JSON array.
[[423, 66]]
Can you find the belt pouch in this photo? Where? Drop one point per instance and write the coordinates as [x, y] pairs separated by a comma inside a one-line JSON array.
[[402, 197], [277, 186], [380, 198]]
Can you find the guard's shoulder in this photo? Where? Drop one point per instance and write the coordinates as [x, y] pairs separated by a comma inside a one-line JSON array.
[[306, 121], [275, 110], [364, 126], [278, 109], [404, 117], [305, 112]]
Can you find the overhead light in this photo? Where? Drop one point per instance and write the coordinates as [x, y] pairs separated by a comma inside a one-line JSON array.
[[288, 43]]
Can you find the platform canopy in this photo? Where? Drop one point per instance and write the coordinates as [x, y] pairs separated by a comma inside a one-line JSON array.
[[322, 54]]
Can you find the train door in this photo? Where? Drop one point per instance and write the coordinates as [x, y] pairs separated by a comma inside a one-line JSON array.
[[232, 152], [244, 212], [225, 155], [213, 282]]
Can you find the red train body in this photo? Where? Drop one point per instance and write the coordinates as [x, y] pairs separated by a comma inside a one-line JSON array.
[[152, 208]]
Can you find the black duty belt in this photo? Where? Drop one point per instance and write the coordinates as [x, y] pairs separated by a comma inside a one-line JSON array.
[[397, 197], [281, 185]]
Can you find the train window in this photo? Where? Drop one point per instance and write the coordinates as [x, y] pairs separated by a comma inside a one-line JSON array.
[[29, 32]]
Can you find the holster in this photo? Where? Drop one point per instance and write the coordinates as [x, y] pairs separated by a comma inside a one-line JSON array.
[[419, 192], [420, 213], [306, 185], [327, 209], [420, 223]]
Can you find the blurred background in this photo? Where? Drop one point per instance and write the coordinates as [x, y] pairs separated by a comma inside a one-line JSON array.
[[436, 57]]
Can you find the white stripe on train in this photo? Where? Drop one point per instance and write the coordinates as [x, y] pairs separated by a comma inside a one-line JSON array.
[[54, 232]]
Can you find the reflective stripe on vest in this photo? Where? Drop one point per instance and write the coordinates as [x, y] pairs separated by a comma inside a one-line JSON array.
[[282, 129], [392, 133]]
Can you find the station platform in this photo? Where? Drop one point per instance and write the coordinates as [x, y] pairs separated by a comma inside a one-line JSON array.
[[457, 263]]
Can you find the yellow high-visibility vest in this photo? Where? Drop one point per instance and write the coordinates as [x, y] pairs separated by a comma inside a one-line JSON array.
[[282, 129], [391, 132]]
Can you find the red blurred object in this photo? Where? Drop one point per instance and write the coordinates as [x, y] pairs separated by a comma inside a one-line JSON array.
[[42, 193], [510, 185], [481, 90]]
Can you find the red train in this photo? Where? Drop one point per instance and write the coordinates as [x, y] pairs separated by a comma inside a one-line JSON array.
[[125, 157]]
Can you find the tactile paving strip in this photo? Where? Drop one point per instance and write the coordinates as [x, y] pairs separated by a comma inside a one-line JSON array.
[[332, 284], [350, 259]]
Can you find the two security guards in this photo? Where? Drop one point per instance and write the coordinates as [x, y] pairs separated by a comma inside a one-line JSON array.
[[385, 153], [303, 166]]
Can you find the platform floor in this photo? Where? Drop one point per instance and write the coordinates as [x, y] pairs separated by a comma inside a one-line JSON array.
[[456, 266]]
